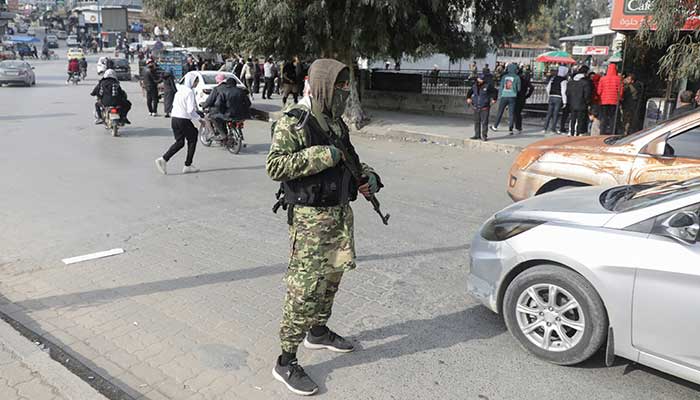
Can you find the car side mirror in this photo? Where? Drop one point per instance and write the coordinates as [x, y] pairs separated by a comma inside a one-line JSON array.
[[659, 148], [683, 226]]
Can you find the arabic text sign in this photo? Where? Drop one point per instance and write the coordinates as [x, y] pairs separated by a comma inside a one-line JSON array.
[[591, 50], [629, 15]]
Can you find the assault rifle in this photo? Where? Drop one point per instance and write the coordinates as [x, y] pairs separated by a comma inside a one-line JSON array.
[[352, 165]]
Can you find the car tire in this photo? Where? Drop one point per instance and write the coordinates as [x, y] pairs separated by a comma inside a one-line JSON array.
[[590, 313]]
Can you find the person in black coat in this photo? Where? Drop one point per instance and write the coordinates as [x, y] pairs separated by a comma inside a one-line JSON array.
[[526, 90], [579, 92], [168, 92], [481, 96], [151, 79]]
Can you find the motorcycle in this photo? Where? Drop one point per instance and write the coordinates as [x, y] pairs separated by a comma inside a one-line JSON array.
[[75, 78], [112, 120], [233, 141]]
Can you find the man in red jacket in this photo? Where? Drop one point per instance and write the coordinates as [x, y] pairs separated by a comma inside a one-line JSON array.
[[610, 93]]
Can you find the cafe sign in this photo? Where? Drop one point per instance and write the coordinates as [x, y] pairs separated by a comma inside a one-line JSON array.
[[629, 15]]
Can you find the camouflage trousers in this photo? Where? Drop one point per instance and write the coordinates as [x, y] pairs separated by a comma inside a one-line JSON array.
[[322, 249]]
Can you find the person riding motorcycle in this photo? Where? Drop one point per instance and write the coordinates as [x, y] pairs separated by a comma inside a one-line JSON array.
[[110, 94], [103, 64], [73, 68], [227, 102]]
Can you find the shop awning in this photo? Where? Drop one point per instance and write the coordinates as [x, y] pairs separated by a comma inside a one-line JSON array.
[[23, 39]]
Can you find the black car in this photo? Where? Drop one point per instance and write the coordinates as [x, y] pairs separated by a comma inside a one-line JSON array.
[[122, 68]]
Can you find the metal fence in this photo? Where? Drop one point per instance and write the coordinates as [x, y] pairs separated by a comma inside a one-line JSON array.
[[443, 83]]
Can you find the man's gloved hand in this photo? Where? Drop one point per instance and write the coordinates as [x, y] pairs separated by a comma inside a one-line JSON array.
[[370, 187], [336, 154], [373, 183]]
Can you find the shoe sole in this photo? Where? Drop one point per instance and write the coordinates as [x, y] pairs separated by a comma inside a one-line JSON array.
[[291, 389], [162, 171], [312, 346]]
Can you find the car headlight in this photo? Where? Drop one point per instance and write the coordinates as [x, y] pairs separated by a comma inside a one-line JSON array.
[[496, 230]]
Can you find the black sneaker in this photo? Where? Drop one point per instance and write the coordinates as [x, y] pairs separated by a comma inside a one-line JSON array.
[[331, 341], [294, 377]]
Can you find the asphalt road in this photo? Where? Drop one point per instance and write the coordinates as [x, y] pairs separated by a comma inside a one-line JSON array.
[[191, 309]]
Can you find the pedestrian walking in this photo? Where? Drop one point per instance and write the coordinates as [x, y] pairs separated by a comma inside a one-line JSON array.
[[556, 90], [268, 75], [150, 83], [169, 90], [508, 94], [610, 92], [248, 74], [480, 97], [257, 76], [473, 71], [318, 193], [526, 90], [289, 81], [183, 115], [631, 97], [578, 94]]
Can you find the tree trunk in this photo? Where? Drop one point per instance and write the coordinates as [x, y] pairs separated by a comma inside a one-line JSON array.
[[354, 114]]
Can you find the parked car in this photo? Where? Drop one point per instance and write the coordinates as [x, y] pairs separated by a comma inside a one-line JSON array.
[[52, 41], [72, 41], [577, 270], [122, 68], [670, 150], [62, 35], [206, 81], [75, 52], [17, 71]]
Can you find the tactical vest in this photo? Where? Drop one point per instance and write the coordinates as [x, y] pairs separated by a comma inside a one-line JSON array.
[[331, 187]]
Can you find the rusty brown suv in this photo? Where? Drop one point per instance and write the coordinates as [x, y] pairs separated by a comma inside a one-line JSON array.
[[669, 151]]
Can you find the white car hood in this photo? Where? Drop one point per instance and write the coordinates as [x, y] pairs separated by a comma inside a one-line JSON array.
[[580, 206]]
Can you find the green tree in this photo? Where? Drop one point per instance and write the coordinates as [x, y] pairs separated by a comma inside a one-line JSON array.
[[564, 18], [347, 29], [663, 30]]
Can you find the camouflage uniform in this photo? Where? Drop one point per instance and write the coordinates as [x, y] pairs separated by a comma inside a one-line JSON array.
[[321, 238]]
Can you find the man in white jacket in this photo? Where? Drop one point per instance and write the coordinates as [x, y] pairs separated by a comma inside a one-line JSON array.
[[182, 117], [556, 89]]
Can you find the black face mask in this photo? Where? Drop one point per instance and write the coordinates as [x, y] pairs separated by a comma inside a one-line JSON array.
[[339, 102]]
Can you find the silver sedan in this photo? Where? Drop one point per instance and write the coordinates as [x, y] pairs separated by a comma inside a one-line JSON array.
[[16, 71], [576, 270]]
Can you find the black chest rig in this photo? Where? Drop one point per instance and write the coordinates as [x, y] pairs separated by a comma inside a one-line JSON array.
[[331, 187]]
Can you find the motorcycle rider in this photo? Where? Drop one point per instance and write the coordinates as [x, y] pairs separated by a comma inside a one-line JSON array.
[[103, 64], [73, 69], [110, 94], [227, 102]]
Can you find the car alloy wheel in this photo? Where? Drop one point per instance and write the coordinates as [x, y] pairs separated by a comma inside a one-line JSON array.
[[550, 317], [555, 314]]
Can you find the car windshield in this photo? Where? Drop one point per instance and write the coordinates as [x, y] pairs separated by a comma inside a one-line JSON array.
[[120, 62], [11, 64], [634, 197]]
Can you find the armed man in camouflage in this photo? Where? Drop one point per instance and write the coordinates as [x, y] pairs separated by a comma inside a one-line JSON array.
[[317, 190]]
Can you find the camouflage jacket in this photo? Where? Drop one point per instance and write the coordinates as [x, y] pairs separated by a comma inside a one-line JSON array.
[[321, 238]]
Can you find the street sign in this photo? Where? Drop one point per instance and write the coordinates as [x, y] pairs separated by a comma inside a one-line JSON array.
[[591, 50], [629, 15]]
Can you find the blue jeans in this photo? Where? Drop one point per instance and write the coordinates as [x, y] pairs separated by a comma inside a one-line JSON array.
[[555, 104], [503, 102]]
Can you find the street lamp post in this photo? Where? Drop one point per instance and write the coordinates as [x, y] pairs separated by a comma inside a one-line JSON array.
[[99, 24]]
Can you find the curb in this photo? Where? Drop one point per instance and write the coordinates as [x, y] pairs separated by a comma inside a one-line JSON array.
[[55, 374], [439, 139]]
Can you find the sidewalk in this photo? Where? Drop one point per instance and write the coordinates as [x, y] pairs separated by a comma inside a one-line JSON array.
[[438, 129], [28, 373]]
